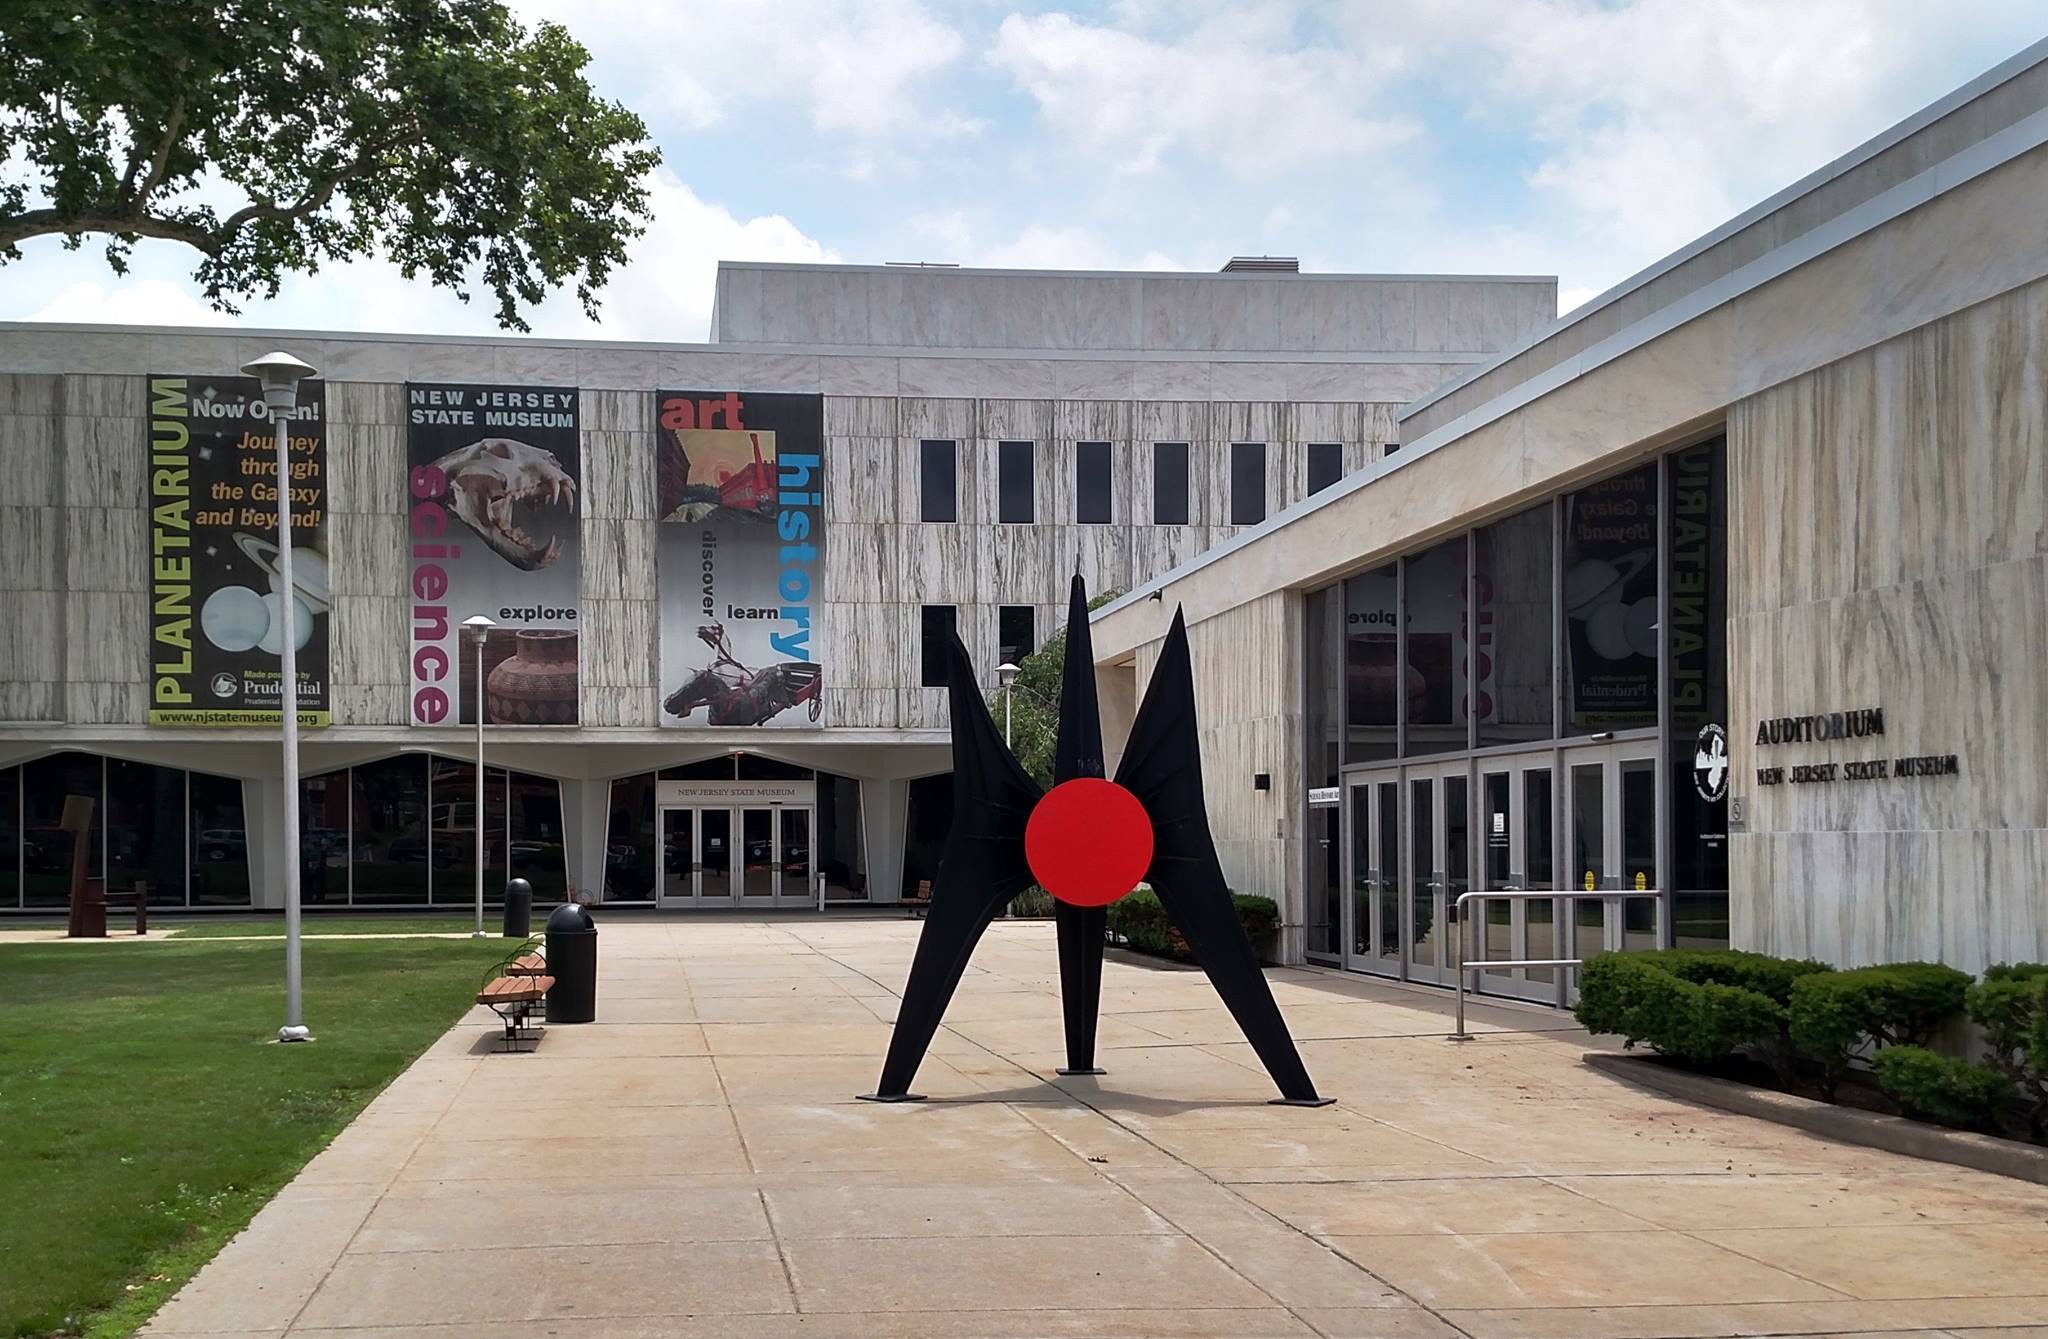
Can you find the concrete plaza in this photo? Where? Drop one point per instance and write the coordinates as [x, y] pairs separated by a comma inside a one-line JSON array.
[[696, 1164]]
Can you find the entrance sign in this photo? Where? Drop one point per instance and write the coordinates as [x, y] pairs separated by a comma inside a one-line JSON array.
[[218, 610], [740, 489]]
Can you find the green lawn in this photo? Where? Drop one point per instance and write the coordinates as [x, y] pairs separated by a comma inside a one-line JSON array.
[[273, 927], [145, 1116]]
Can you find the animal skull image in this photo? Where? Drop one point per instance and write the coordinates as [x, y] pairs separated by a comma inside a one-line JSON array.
[[489, 478]]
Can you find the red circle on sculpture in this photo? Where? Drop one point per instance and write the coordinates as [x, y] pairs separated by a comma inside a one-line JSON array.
[[1088, 842]]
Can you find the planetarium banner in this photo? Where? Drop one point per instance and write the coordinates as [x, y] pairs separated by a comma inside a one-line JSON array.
[[740, 488], [219, 610], [491, 501]]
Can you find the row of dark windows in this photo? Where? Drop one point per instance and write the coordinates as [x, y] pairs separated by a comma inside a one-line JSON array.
[[939, 481], [1016, 637]]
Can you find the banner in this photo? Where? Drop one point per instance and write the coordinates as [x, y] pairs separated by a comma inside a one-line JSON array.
[[740, 487], [1610, 603], [218, 607], [492, 526]]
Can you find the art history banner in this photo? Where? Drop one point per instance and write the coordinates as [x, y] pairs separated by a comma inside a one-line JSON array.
[[740, 488], [492, 529], [219, 610]]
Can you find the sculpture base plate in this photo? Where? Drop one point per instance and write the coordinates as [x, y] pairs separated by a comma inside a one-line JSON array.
[[1069, 1073], [1301, 1102], [890, 1097]]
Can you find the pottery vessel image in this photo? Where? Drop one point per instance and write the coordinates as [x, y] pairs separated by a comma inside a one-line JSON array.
[[536, 684]]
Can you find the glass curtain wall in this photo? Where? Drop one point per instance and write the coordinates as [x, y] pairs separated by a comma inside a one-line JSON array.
[[1595, 616]]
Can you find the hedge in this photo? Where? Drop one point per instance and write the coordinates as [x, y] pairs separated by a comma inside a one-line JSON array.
[[1940, 1087], [1141, 922], [1832, 1014], [1676, 1005]]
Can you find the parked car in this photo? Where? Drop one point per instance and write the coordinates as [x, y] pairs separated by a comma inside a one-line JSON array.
[[222, 844]]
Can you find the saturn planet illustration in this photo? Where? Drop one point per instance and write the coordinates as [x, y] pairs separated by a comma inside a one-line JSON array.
[[240, 618]]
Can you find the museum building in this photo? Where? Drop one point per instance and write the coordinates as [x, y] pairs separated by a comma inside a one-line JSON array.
[[1714, 612], [721, 574]]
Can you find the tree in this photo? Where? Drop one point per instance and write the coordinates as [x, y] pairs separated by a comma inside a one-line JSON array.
[[1035, 701], [274, 135]]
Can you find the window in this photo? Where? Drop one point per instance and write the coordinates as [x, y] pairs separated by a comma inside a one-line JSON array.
[[1325, 465], [1610, 604], [1512, 628], [1373, 682], [938, 485], [1013, 483], [1247, 483], [10, 836], [939, 622], [1390, 448], [45, 782], [1169, 483], [1091, 483], [393, 852], [1015, 629], [1433, 597]]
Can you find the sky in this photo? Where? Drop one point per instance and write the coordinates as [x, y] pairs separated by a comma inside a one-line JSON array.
[[1565, 137]]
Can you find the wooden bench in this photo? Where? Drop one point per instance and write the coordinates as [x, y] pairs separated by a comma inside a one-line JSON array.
[[920, 903], [513, 989]]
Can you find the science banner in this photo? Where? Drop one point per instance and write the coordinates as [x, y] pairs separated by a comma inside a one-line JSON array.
[[1610, 602], [219, 610], [491, 503], [740, 487]]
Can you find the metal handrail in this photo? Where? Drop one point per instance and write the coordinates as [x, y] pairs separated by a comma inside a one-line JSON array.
[[1530, 895]]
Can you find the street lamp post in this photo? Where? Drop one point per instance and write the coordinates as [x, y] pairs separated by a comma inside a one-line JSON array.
[[1007, 673], [479, 630], [280, 374]]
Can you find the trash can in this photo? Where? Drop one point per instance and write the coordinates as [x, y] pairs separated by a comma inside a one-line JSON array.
[[572, 961], [518, 909]]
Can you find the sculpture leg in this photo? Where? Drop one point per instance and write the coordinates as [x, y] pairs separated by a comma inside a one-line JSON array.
[[1081, 932], [955, 924], [1200, 909]]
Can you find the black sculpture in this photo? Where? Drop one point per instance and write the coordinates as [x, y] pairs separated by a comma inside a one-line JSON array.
[[985, 864]]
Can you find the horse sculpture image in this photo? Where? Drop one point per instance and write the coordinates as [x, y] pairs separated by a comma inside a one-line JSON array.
[[1087, 841]]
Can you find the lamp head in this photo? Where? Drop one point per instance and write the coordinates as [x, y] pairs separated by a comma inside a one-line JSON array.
[[279, 374], [1006, 671], [478, 627]]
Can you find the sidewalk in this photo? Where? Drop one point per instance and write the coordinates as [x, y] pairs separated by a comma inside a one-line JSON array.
[[695, 1164]]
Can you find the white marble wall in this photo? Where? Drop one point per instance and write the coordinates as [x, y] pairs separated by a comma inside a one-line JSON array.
[[1890, 548]]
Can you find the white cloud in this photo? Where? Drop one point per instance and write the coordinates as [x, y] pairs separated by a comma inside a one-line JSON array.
[[142, 302], [1234, 90], [856, 67], [663, 293]]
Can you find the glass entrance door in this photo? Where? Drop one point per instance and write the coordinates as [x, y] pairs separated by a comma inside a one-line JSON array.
[[714, 857], [1439, 832], [759, 871], [1517, 841], [1611, 805], [678, 887], [1370, 912]]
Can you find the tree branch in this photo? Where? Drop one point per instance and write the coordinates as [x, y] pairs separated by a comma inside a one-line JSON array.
[[266, 210], [161, 162], [43, 222]]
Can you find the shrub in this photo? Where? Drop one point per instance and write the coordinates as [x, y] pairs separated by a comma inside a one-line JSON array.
[[1895, 1004], [1141, 923], [1032, 902], [2011, 1005], [1942, 1088], [1641, 997]]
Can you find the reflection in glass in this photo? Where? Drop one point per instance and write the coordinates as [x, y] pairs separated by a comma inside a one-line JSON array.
[[10, 836], [1439, 651], [47, 848], [323, 839], [1697, 651], [1510, 661], [1589, 856], [1538, 872], [795, 853], [714, 854], [1639, 851], [145, 839], [1457, 877], [1610, 604], [1422, 875], [1325, 879], [1373, 680], [629, 864], [220, 846], [537, 853], [1365, 871], [678, 835], [389, 831], [1389, 937]]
